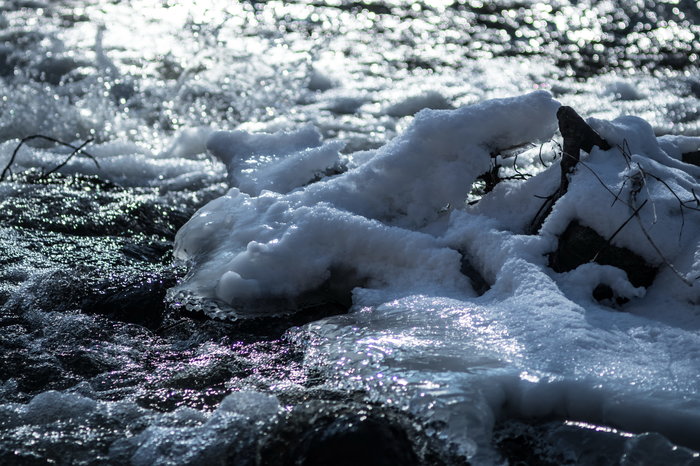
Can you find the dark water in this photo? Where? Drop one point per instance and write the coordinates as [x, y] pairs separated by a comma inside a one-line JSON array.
[[95, 366]]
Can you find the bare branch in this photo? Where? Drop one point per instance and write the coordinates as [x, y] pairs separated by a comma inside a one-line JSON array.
[[76, 150], [62, 164], [609, 241]]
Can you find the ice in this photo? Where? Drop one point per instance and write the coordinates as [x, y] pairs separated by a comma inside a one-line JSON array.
[[537, 344], [204, 442], [365, 220], [184, 435]]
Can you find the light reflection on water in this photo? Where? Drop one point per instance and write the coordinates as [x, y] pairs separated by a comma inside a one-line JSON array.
[[169, 65], [220, 63]]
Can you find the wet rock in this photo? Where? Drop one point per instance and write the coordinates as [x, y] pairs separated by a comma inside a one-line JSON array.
[[132, 297], [85, 363], [7, 61], [378, 8], [90, 206], [579, 244], [139, 300], [122, 90], [572, 443], [203, 376], [53, 70], [348, 433]]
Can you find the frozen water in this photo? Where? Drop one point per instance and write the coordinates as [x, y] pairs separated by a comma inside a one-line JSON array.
[[299, 119], [350, 221], [537, 344]]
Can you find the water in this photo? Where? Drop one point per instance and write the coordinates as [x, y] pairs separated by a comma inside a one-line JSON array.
[[86, 256]]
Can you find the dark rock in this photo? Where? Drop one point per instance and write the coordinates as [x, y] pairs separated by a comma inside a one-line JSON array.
[[578, 135], [378, 8], [349, 433], [692, 158], [579, 244], [54, 69], [122, 91], [572, 443], [84, 362], [7, 61], [202, 376], [138, 300]]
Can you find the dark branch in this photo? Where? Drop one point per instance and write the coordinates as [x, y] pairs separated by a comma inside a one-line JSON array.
[[76, 150]]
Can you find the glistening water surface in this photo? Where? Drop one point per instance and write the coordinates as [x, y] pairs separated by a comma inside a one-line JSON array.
[[96, 368]]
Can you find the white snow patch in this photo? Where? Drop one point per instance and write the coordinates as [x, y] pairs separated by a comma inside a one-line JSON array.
[[536, 344]]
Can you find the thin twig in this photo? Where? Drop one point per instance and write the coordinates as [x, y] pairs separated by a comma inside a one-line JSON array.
[[683, 203], [609, 241], [76, 149], [661, 255], [633, 197], [62, 164], [616, 196], [626, 152]]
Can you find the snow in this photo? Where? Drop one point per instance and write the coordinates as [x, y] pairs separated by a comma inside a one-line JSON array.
[[202, 94], [537, 343], [276, 162], [366, 220], [414, 103]]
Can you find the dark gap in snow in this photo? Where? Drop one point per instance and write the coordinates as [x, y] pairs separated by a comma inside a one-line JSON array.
[[604, 294], [692, 158], [579, 244], [477, 280]]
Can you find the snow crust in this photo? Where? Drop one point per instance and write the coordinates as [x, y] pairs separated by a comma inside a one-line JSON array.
[[537, 343]]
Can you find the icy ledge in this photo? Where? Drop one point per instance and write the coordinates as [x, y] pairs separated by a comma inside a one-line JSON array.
[[373, 221]]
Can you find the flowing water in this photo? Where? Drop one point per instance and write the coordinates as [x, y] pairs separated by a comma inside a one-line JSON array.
[[97, 367]]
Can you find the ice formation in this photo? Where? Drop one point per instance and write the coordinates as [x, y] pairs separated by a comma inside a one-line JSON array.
[[537, 343], [252, 243]]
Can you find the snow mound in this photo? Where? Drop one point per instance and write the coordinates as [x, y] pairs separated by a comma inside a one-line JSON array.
[[258, 241]]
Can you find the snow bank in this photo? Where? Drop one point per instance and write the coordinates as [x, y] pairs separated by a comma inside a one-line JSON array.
[[246, 245], [537, 344], [414, 103]]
